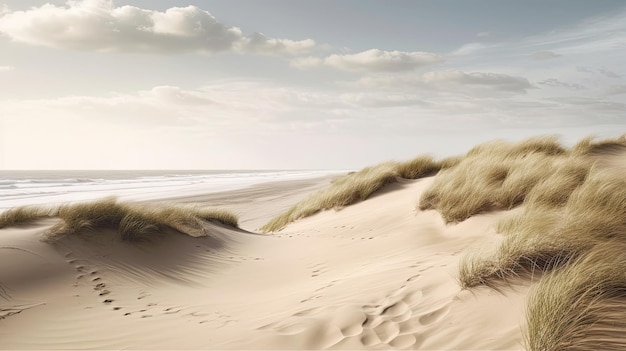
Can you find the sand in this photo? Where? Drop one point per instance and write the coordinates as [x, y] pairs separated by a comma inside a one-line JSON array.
[[379, 274]]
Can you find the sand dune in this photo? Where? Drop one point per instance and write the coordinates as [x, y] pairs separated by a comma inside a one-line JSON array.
[[377, 274], [335, 280]]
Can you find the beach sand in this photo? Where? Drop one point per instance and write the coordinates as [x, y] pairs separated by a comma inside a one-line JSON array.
[[375, 275]]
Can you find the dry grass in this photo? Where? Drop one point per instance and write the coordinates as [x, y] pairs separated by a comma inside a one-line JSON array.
[[570, 234], [358, 186], [495, 175], [22, 215], [133, 221], [343, 191], [419, 167], [590, 146], [582, 306]]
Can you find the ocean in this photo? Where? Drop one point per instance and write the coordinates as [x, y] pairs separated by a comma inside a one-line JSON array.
[[20, 188]]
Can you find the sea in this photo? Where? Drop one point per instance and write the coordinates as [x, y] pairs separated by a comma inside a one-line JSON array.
[[20, 188]]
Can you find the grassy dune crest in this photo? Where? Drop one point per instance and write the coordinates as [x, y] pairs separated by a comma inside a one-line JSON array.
[[359, 186], [133, 221], [495, 175], [569, 234]]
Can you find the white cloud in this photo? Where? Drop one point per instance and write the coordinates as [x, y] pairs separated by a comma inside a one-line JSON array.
[[617, 90], [210, 123], [451, 81], [608, 73], [544, 55], [594, 35], [496, 81], [373, 60], [6, 68], [553, 82], [97, 25]]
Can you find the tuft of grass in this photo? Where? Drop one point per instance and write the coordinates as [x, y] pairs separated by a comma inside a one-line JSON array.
[[581, 306], [22, 215], [419, 167], [495, 175], [133, 221], [450, 162], [590, 146]]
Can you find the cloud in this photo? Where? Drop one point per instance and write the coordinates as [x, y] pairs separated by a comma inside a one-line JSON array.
[[6, 68], [594, 35], [597, 104], [452, 81], [584, 69], [544, 55], [97, 25], [553, 82], [497, 81], [617, 90], [609, 74], [483, 34], [373, 60], [602, 71]]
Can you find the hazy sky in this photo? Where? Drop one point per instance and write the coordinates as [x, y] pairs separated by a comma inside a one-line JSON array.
[[266, 84]]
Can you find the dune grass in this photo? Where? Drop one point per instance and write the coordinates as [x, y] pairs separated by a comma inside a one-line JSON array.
[[495, 175], [25, 214], [581, 306], [358, 186], [343, 191], [133, 221], [569, 235]]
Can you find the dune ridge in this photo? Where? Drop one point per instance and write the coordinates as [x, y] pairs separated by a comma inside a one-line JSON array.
[[571, 204]]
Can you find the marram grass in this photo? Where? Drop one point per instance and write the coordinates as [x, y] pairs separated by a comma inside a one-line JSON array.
[[133, 221], [581, 306], [358, 186], [492, 176]]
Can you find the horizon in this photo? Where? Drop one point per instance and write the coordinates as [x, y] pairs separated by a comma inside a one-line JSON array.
[[244, 85]]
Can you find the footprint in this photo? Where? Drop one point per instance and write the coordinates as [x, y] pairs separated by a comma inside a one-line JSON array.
[[415, 277], [387, 331], [414, 297], [307, 312], [104, 292], [434, 316], [107, 301], [404, 341]]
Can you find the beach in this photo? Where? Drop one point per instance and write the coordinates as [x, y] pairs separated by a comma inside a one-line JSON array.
[[377, 275], [478, 252]]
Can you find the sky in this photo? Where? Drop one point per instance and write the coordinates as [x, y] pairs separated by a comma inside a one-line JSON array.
[[294, 84]]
